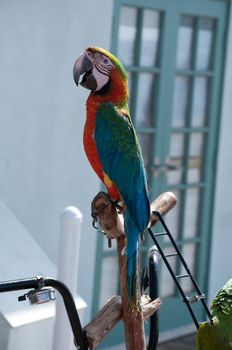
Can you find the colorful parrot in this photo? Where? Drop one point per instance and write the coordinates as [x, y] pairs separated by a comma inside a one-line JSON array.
[[112, 147], [218, 334]]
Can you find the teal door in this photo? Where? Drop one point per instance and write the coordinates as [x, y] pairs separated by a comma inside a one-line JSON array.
[[173, 52]]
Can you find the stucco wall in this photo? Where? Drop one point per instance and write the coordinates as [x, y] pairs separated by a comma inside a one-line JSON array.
[[42, 163], [221, 261]]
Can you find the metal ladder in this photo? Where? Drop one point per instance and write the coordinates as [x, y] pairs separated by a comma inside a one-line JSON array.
[[188, 300]]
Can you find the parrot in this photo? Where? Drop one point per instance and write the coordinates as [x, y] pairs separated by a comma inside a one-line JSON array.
[[217, 335], [112, 148]]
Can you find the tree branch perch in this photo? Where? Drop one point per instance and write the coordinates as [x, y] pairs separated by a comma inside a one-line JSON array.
[[111, 221]]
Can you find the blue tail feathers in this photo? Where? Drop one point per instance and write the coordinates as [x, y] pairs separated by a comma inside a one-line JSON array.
[[132, 235]]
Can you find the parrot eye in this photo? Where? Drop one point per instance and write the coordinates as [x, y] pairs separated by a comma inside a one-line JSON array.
[[106, 60]]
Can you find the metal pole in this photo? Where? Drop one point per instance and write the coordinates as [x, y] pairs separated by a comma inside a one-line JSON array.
[[71, 310], [153, 255], [26, 283], [71, 220]]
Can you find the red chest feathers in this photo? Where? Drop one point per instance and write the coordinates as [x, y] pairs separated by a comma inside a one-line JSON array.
[[118, 95], [92, 154]]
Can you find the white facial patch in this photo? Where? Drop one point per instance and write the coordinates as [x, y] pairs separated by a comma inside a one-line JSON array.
[[102, 79]]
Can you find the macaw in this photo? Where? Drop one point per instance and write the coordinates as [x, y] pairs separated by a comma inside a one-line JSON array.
[[112, 147], [218, 334]]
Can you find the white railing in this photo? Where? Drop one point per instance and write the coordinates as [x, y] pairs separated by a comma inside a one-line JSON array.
[[71, 220]]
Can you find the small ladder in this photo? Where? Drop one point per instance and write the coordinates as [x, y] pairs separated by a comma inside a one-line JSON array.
[[188, 300]]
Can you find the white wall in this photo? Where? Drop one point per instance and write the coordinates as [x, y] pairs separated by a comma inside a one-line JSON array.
[[43, 167], [221, 260]]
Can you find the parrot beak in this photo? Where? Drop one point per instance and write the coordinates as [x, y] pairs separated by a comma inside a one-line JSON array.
[[84, 66]]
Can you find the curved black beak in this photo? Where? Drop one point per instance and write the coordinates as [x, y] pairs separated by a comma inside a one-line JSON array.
[[84, 66]]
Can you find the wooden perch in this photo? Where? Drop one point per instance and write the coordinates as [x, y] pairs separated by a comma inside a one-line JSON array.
[[163, 204], [110, 314], [111, 222]]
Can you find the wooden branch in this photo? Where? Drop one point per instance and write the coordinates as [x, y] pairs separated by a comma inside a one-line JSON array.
[[111, 222], [163, 204], [133, 320], [103, 322], [149, 307], [110, 314]]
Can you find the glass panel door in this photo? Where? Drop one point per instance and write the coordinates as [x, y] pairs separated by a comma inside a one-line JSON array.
[[185, 136]]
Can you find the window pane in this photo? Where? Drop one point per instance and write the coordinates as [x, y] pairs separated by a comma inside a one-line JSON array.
[[194, 169], [205, 41], [189, 254], [109, 279], [175, 171], [195, 157], [175, 160], [199, 102], [191, 212], [172, 218], [145, 100], [184, 45], [127, 34], [180, 101], [196, 144], [167, 286], [150, 38], [176, 149]]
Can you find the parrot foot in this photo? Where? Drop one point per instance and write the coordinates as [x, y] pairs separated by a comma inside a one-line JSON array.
[[96, 211], [105, 215]]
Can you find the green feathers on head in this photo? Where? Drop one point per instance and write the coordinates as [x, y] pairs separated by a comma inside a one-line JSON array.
[[113, 59], [222, 303]]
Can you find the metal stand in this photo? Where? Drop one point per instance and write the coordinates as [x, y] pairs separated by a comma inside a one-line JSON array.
[[153, 255], [150, 279]]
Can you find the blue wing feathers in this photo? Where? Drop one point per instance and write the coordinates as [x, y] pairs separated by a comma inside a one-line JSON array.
[[113, 152], [122, 161]]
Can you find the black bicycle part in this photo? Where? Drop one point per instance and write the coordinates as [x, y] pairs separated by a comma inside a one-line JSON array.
[[153, 283], [149, 279], [41, 282]]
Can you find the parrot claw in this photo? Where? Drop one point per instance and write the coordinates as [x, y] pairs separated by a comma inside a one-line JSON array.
[[94, 222], [123, 252], [118, 205]]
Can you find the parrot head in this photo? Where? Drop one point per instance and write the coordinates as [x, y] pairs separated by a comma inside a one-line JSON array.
[[217, 335], [97, 70], [222, 302]]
